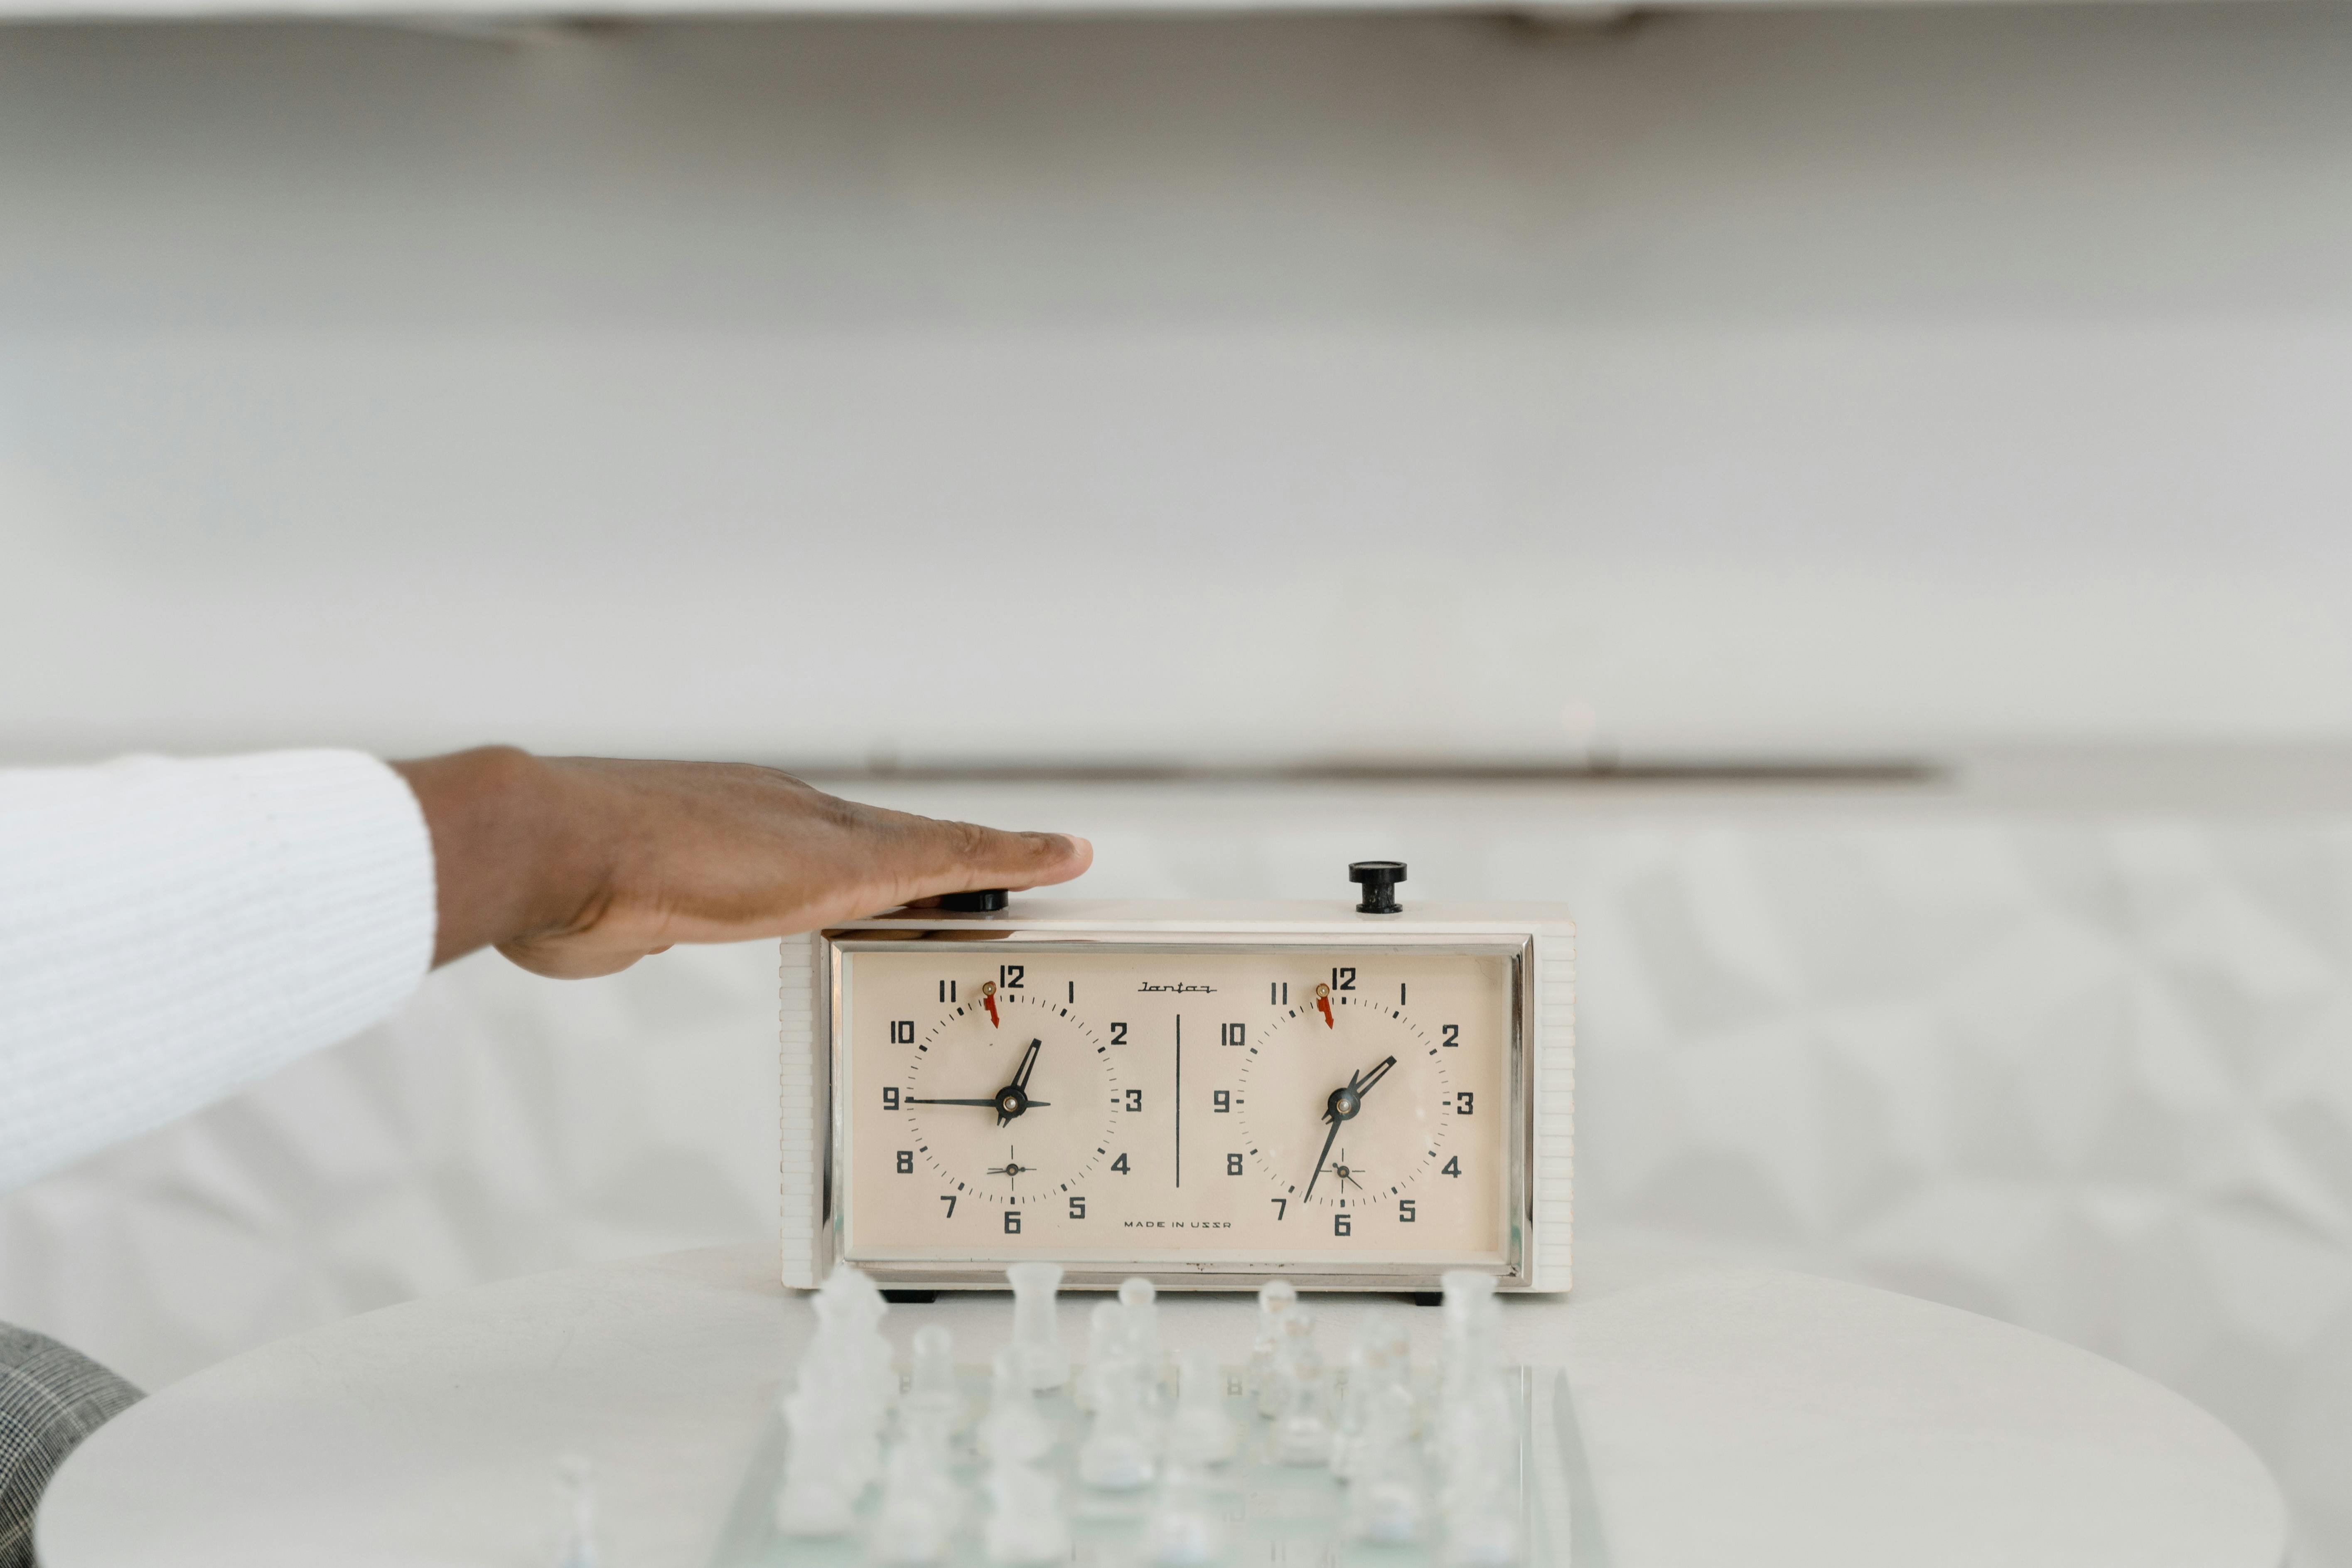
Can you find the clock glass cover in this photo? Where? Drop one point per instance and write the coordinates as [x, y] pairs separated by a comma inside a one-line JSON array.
[[1331, 1105]]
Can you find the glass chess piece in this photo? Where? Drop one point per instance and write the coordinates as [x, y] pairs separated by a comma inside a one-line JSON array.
[[1473, 1439], [1139, 1313], [931, 1395], [1013, 1427], [1202, 1432], [1026, 1524], [576, 1479], [1302, 1431], [840, 1398], [922, 1505], [1117, 1453], [1182, 1530], [1106, 1348], [1381, 1358], [1275, 1297], [1387, 1504], [1036, 1334]]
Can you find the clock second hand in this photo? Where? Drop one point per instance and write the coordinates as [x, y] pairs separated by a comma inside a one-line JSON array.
[[1342, 1107]]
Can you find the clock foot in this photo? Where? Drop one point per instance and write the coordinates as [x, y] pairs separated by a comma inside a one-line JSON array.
[[925, 1298], [1420, 1297]]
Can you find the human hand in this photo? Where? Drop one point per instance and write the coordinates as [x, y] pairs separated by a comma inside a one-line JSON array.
[[581, 866]]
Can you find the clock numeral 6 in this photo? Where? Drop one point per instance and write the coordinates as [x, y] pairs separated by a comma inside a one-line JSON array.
[[1404, 1212], [1078, 1206], [1013, 1222], [902, 1031], [1339, 1225], [906, 1162]]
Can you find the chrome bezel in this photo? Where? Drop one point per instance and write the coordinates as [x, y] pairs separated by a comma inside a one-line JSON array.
[[831, 1046]]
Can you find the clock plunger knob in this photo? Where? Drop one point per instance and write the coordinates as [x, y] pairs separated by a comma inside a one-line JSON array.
[[1379, 880], [982, 901]]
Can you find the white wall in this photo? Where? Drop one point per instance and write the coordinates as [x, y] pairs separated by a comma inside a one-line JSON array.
[[1262, 388]]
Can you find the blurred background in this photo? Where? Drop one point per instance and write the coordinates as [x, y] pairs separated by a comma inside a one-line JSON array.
[[1852, 501]]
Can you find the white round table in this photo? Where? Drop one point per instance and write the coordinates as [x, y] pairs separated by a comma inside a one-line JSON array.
[[1728, 1416]]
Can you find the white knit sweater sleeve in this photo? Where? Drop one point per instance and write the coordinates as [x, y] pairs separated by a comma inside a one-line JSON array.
[[171, 931]]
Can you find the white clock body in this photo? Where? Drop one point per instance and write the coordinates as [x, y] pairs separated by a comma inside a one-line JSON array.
[[1212, 1095]]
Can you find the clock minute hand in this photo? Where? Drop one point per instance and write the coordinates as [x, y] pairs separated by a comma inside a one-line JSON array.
[[1321, 1158], [912, 1099]]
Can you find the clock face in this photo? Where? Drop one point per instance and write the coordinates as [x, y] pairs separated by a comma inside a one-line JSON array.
[[1328, 1108]]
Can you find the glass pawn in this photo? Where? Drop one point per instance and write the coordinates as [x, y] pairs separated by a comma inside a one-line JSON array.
[[922, 1505], [1202, 1432], [1182, 1530], [1275, 1297], [1139, 1313], [576, 1479], [932, 1396], [1302, 1431], [1013, 1427], [1117, 1453], [1024, 1522], [1387, 1504]]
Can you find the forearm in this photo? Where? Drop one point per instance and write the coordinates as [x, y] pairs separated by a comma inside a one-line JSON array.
[[170, 930]]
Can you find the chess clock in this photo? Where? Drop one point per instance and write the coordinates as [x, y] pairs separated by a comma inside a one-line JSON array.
[[1352, 1095]]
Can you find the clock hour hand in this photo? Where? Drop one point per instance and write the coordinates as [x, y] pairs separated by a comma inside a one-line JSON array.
[[1014, 1098], [1342, 1107], [997, 1101]]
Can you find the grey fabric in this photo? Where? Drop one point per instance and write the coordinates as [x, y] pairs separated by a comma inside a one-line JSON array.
[[50, 1399]]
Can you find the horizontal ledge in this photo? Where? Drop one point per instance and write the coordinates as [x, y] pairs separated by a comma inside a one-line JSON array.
[[1843, 772], [524, 17]]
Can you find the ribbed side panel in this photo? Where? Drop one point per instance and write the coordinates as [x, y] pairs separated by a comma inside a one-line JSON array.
[[1554, 1172], [799, 1182]]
